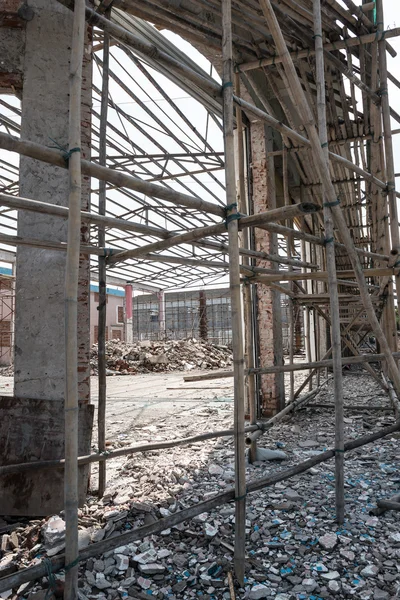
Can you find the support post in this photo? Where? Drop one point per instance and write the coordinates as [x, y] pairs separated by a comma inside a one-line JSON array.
[[161, 314], [324, 174], [234, 279], [102, 308], [129, 313], [248, 290], [71, 306], [389, 156], [332, 276]]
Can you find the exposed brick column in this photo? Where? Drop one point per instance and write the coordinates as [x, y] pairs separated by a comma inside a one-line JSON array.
[[269, 308], [13, 17]]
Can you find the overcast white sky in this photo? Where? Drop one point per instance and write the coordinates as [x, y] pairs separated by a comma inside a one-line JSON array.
[[198, 115]]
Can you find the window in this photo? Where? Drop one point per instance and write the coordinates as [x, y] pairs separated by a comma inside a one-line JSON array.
[[97, 298], [96, 334], [5, 334], [116, 334], [120, 314], [5, 284]]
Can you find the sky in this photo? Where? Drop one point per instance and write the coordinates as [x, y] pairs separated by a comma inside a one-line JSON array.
[[198, 115]]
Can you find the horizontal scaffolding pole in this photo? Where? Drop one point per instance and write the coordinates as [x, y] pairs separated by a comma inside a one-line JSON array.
[[322, 364], [101, 457], [18, 203], [57, 563], [349, 42], [59, 158], [259, 220], [319, 241], [211, 86], [322, 275], [221, 247]]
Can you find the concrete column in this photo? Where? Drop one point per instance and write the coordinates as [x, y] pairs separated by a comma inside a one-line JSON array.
[[129, 314], [39, 330], [161, 314], [268, 300]]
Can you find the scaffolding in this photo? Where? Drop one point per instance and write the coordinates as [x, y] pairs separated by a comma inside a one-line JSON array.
[[7, 315], [339, 200]]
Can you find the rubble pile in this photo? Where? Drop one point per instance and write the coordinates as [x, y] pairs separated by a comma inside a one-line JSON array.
[[295, 550], [173, 355]]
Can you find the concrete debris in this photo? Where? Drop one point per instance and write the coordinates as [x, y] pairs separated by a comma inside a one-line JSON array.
[[266, 454], [295, 550], [173, 355], [259, 591], [328, 541]]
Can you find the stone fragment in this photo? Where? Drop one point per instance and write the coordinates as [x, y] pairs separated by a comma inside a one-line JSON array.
[[309, 585], [121, 562], [84, 539], [263, 454], [309, 444], [53, 532], [328, 541], [98, 535], [334, 586], [13, 540], [370, 571], [215, 470], [101, 582], [259, 591], [144, 583], [4, 543], [146, 557], [330, 575], [7, 566], [292, 495], [210, 530], [380, 594], [347, 554], [99, 565], [152, 569], [179, 587]]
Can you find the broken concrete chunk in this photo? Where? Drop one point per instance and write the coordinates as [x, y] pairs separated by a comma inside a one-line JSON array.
[[266, 454], [152, 569], [53, 532], [328, 541], [259, 591]]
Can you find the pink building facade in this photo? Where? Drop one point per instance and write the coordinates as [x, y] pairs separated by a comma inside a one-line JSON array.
[[116, 314]]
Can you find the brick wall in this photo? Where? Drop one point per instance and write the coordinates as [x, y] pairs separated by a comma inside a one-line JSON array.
[[270, 330]]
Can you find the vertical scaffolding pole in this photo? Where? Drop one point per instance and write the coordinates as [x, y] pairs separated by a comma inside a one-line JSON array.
[[289, 242], [387, 130], [102, 308], [71, 406], [247, 289], [331, 268], [307, 117], [234, 278]]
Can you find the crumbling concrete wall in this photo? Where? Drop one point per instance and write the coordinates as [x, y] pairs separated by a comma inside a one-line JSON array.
[[40, 274]]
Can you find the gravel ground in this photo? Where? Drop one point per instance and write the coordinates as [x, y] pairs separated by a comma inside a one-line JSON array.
[[295, 550]]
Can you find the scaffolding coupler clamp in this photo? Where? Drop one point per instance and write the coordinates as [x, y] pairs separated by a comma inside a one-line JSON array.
[[231, 213]]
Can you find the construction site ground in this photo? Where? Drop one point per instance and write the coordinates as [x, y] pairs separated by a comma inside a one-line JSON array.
[[295, 548]]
